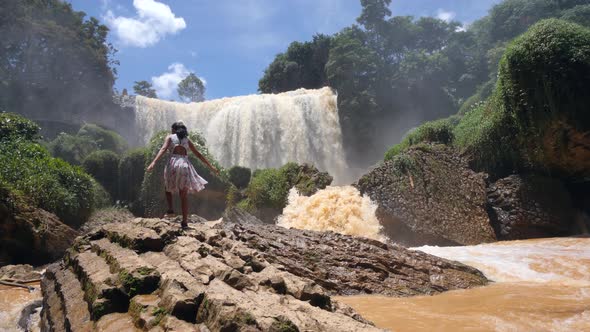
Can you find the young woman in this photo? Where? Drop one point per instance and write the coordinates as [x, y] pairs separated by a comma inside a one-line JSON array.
[[179, 174]]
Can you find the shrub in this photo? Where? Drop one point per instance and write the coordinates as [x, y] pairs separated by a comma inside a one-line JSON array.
[[104, 139], [103, 165], [131, 173], [14, 126], [49, 183], [439, 131], [72, 149], [240, 176]]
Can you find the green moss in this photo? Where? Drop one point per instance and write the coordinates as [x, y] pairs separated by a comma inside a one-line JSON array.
[[282, 324], [129, 282], [439, 131], [159, 314]]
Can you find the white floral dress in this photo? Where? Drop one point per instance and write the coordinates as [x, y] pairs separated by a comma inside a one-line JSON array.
[[179, 173]]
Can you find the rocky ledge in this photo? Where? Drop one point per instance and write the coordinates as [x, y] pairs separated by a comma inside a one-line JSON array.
[[147, 274]]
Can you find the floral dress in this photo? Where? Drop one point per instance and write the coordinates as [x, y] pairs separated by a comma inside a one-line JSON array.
[[179, 173]]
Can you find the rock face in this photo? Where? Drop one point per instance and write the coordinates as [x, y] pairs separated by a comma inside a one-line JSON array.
[[19, 273], [429, 195], [31, 235], [149, 275], [525, 207]]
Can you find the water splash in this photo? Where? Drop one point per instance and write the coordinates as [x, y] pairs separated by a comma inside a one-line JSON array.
[[258, 131], [338, 209]]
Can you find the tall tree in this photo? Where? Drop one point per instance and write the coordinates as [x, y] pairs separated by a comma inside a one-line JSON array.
[[144, 88], [191, 88]]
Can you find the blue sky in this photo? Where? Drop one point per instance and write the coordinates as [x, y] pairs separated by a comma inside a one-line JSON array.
[[228, 43]]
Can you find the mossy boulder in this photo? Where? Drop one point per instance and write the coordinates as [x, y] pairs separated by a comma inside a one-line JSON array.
[[240, 176], [267, 193], [537, 119], [429, 195], [439, 131], [209, 203]]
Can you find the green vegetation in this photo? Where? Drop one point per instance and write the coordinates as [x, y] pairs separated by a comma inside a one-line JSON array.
[[240, 176], [144, 88], [55, 63], [269, 188], [49, 183], [105, 139], [191, 88], [103, 165], [131, 174], [72, 148], [439, 131]]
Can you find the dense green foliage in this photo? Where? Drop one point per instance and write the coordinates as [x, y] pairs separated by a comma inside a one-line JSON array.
[[269, 188], [395, 67], [13, 127], [104, 139], [72, 148], [50, 183], [191, 88], [144, 88], [103, 165], [439, 131], [55, 64], [152, 200], [131, 174], [240, 176], [302, 65]]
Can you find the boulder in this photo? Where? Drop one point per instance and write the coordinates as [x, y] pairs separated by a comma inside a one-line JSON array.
[[219, 276], [427, 195], [31, 235], [524, 207]]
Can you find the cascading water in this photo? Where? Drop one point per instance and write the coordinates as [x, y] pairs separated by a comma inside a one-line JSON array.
[[258, 131]]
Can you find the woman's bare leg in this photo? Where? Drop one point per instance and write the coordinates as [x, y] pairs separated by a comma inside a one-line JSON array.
[[169, 200], [184, 204]]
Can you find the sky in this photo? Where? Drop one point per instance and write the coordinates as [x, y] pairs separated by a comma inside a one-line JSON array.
[[229, 43]]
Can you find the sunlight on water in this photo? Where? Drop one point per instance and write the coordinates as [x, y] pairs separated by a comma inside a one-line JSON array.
[[258, 131]]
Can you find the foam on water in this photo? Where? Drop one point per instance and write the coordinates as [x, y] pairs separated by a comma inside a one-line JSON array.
[[337, 209]]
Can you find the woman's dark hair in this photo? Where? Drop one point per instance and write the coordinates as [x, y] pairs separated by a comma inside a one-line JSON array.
[[181, 132]]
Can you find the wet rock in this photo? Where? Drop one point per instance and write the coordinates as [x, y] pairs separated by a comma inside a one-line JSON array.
[[429, 195], [524, 207], [31, 235], [19, 273], [230, 277]]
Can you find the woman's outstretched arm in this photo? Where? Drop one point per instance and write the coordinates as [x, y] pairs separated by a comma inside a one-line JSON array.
[[202, 158], [160, 153]]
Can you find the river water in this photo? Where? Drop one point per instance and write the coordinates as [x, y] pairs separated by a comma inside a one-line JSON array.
[[540, 285], [12, 302]]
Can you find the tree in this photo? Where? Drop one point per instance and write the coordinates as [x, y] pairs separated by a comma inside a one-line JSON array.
[[144, 88], [191, 88], [55, 64]]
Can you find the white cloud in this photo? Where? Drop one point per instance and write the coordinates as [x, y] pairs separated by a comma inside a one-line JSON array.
[[167, 83], [153, 22], [445, 15]]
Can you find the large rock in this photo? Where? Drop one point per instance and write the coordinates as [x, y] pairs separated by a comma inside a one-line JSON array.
[[429, 195], [230, 277], [524, 207], [30, 235]]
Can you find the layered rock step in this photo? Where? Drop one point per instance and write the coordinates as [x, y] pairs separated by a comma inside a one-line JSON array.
[[148, 275]]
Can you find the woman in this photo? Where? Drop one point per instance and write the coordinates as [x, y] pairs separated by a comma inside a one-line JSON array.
[[179, 174]]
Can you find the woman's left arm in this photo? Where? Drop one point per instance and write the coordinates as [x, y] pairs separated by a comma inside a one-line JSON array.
[[201, 157]]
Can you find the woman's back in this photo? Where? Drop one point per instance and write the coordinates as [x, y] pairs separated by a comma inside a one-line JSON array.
[[179, 146]]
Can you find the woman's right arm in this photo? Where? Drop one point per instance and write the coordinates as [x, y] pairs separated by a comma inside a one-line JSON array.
[[160, 153]]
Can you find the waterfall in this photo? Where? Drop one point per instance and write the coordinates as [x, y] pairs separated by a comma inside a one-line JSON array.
[[257, 131]]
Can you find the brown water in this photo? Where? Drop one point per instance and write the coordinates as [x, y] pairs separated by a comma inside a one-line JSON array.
[[12, 301], [541, 285]]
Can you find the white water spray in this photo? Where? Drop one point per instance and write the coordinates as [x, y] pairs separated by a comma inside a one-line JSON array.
[[258, 131]]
